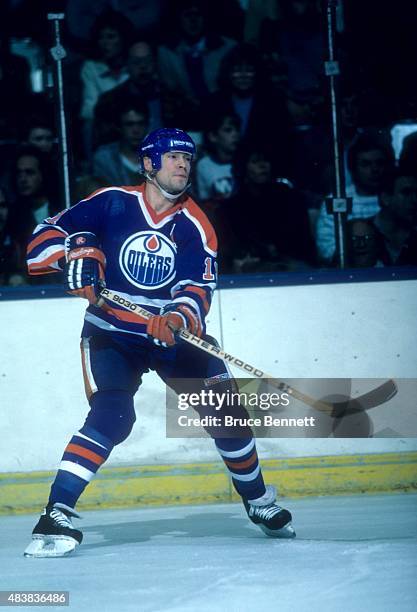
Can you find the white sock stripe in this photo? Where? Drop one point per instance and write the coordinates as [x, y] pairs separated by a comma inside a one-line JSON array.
[[237, 453], [77, 469], [246, 477], [81, 435]]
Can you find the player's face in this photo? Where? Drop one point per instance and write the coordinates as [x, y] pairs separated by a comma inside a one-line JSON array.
[[175, 171], [28, 176]]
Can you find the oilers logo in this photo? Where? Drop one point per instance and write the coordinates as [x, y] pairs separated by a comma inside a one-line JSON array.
[[147, 259]]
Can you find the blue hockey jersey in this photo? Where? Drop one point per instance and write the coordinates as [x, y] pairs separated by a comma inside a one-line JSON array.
[[151, 259]]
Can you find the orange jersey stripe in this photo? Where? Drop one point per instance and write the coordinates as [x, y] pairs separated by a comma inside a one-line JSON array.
[[39, 267], [202, 219], [243, 464], [84, 452], [53, 233], [128, 317], [201, 293], [155, 216]]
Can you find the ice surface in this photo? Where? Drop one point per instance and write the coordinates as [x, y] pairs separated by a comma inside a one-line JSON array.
[[351, 554]]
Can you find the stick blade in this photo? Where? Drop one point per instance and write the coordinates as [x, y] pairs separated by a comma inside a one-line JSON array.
[[379, 395]]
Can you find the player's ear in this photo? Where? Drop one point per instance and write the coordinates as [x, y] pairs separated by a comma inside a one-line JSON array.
[[147, 164]]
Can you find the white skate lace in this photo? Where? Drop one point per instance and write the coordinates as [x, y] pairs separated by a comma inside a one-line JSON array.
[[61, 518], [266, 512]]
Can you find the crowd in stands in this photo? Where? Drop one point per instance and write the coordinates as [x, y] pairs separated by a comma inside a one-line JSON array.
[[246, 79]]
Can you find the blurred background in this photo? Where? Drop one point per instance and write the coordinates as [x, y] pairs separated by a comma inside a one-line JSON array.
[[246, 78]]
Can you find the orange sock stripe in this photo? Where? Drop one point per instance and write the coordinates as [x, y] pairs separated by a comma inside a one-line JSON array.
[[84, 452], [243, 464]]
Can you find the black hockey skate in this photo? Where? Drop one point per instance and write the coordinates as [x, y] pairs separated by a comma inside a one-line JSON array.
[[54, 534], [271, 518]]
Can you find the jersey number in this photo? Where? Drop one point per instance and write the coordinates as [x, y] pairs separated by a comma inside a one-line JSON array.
[[208, 274]]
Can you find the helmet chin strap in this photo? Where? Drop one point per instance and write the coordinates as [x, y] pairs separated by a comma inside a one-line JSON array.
[[151, 176]]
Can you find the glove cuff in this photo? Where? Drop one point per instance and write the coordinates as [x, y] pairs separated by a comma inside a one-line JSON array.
[[82, 245]]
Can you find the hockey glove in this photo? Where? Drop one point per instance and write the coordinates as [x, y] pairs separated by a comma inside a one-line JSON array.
[[84, 268], [162, 328]]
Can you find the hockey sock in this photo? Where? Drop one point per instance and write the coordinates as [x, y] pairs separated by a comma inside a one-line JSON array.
[[241, 459], [86, 452]]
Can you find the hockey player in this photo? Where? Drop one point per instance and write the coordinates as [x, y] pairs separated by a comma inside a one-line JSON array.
[[154, 245]]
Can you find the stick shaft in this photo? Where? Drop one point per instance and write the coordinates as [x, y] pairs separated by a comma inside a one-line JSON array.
[[229, 359]]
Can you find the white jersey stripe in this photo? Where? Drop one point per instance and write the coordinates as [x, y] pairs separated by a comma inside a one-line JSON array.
[[108, 326], [184, 283], [200, 230], [143, 301], [49, 226], [87, 365], [56, 248]]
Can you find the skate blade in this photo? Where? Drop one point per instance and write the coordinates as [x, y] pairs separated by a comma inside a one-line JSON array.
[[50, 546], [285, 532]]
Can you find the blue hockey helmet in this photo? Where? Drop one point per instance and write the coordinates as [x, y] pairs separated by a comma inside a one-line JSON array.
[[160, 141]]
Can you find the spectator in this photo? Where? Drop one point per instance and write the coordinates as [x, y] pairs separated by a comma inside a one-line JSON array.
[[117, 162], [15, 90], [278, 237], [364, 245], [145, 17], [85, 185], [397, 219], [408, 155], [214, 171], [106, 69], [296, 37], [369, 160], [190, 62], [41, 135], [10, 255], [307, 144], [242, 91], [164, 107], [35, 198], [110, 38]]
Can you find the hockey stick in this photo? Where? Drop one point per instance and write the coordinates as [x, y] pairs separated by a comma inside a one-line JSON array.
[[373, 398]]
